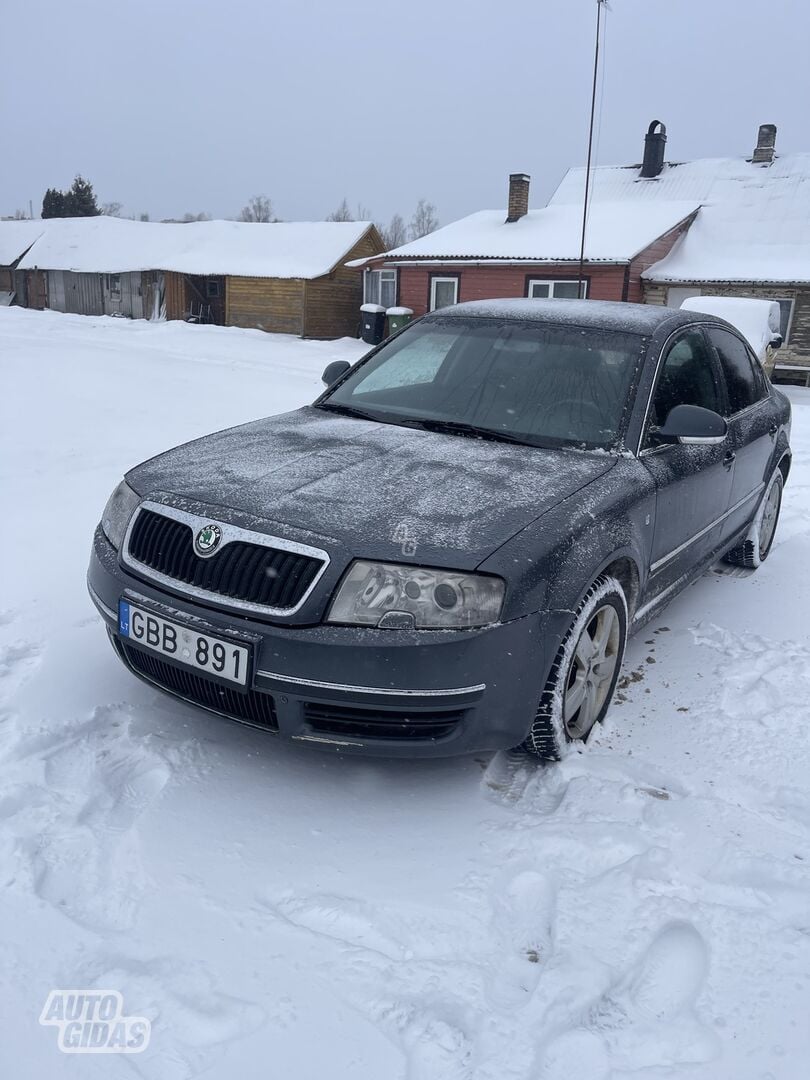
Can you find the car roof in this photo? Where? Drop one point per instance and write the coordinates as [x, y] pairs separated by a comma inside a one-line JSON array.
[[600, 314]]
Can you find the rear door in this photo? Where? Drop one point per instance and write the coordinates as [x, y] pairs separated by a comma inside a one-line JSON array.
[[752, 425], [693, 482]]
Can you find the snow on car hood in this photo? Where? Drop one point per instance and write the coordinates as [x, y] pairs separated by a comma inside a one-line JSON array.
[[381, 490]]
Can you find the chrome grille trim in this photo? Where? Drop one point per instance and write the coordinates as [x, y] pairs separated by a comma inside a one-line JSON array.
[[230, 533]]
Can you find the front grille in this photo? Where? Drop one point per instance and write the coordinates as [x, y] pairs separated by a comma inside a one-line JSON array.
[[252, 706], [377, 724], [255, 573]]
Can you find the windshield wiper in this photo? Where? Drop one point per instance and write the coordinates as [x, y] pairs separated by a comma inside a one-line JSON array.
[[349, 410], [457, 427]]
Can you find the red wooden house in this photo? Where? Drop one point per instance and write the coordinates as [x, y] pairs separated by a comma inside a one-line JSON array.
[[534, 253]]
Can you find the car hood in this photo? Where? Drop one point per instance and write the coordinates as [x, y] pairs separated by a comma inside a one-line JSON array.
[[380, 490]]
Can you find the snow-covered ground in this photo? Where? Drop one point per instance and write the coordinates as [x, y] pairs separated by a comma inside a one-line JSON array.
[[640, 910]]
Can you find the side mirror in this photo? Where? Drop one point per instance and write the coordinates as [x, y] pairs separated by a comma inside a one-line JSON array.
[[776, 341], [334, 371], [692, 425]]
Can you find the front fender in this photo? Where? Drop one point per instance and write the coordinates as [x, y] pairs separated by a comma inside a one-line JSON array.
[[551, 563]]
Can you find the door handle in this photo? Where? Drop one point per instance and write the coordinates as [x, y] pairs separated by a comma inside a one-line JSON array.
[[729, 459]]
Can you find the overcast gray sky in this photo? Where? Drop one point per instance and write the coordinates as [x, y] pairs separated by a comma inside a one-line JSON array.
[[170, 106]]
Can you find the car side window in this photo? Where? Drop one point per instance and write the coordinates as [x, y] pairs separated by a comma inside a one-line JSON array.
[[745, 382], [687, 377]]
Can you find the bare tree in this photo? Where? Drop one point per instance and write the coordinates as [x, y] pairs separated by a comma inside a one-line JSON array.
[[424, 219], [259, 208], [341, 213], [394, 234], [143, 217], [112, 209]]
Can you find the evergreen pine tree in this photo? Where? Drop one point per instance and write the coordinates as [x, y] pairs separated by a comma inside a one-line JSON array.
[[53, 204], [80, 201]]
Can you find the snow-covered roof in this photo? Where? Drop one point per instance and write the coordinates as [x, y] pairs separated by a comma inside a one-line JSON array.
[[285, 249], [16, 237], [754, 224], [616, 232]]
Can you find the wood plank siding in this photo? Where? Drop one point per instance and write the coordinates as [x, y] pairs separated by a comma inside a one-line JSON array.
[[332, 303], [324, 307], [272, 304], [176, 292]]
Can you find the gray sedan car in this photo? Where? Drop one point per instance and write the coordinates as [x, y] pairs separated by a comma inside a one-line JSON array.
[[445, 552]]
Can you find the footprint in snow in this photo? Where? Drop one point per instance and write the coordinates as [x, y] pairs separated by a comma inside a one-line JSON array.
[[436, 1050], [86, 861], [523, 923], [193, 1018], [647, 1020], [17, 662]]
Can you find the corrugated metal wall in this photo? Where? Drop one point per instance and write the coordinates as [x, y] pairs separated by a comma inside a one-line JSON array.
[[127, 298], [76, 293]]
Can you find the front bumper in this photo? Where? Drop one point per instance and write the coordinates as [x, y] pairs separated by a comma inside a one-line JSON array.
[[384, 692]]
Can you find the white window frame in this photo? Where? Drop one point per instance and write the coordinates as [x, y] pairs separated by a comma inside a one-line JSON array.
[[439, 280], [551, 282], [372, 285], [115, 293]]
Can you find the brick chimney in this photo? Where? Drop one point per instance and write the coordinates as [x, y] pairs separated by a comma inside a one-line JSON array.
[[766, 145], [655, 143], [518, 196]]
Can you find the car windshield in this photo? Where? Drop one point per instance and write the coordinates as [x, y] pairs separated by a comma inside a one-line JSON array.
[[536, 383]]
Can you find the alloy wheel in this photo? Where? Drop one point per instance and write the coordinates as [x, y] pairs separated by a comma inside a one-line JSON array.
[[593, 666], [770, 514]]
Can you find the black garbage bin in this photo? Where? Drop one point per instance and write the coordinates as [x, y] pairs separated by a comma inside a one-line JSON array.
[[372, 317]]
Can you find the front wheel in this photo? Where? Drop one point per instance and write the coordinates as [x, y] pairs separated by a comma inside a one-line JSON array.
[[584, 674], [754, 549]]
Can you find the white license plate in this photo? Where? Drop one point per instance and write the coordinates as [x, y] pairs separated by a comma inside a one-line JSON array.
[[214, 655]]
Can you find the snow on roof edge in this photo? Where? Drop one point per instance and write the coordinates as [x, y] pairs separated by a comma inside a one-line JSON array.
[[285, 250]]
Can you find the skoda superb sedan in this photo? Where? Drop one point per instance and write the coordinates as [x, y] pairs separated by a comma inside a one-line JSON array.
[[446, 551]]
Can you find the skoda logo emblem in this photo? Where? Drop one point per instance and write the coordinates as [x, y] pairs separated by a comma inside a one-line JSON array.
[[207, 540]]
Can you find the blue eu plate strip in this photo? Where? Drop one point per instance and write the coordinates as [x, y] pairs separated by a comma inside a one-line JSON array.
[[123, 618]]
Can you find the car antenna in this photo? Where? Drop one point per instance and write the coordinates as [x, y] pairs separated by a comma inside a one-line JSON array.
[[581, 279]]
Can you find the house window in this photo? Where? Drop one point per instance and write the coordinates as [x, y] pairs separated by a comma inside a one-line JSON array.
[[380, 287], [114, 286], [443, 292], [212, 289], [786, 316], [556, 290]]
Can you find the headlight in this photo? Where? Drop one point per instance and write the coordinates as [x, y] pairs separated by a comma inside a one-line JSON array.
[[117, 512], [406, 597]]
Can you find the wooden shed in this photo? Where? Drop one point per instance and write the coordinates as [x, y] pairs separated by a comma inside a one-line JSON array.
[[16, 284], [282, 277], [287, 277]]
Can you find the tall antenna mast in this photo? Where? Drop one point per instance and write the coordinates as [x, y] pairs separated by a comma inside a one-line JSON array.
[[599, 5]]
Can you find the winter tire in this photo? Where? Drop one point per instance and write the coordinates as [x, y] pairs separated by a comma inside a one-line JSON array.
[[755, 547], [584, 674]]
